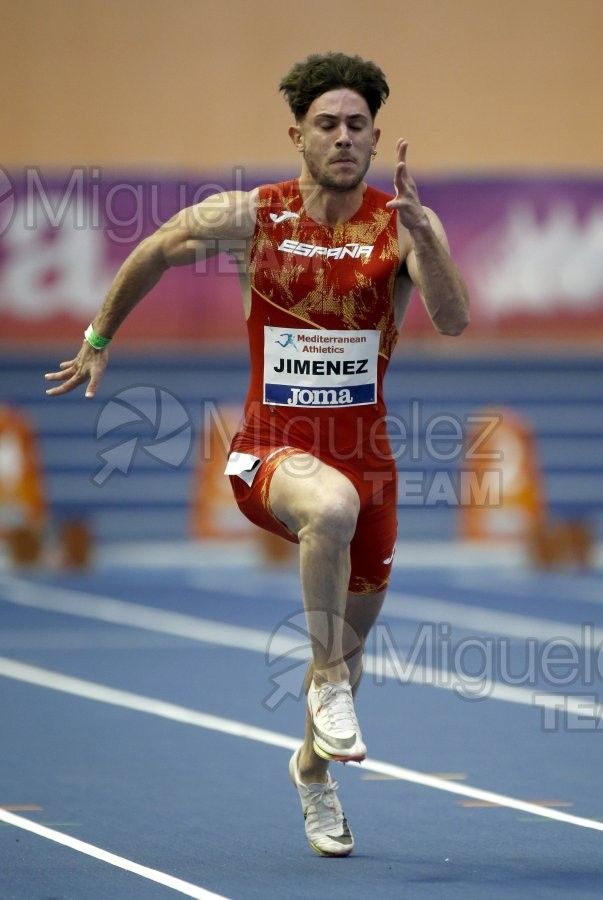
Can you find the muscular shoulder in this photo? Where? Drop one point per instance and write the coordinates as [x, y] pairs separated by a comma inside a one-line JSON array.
[[229, 214], [226, 216]]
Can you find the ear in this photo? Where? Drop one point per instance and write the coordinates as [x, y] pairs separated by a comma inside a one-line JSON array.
[[376, 136], [296, 137]]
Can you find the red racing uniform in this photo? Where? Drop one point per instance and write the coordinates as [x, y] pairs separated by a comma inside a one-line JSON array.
[[321, 331]]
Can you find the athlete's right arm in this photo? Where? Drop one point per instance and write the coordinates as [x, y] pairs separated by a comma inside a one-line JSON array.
[[193, 232]]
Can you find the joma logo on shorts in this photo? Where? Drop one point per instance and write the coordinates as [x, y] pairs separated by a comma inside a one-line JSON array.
[[319, 396], [353, 250]]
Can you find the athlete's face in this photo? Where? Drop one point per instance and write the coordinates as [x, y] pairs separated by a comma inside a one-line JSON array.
[[336, 138]]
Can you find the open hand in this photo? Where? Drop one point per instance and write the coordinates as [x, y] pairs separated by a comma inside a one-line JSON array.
[[89, 364], [411, 213]]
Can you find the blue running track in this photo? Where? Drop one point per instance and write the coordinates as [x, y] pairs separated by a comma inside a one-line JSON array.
[[149, 707]]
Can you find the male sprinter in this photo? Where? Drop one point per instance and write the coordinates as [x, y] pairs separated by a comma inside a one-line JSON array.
[[330, 264]]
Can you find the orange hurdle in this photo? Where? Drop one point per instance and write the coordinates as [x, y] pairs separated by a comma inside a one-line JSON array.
[[500, 454], [23, 507]]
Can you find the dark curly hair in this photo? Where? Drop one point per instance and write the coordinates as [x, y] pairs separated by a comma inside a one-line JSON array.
[[320, 73]]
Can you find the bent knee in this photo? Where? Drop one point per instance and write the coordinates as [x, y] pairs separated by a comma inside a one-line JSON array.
[[322, 504], [332, 520]]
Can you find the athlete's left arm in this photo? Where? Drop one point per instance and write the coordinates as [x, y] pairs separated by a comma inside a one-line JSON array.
[[425, 251]]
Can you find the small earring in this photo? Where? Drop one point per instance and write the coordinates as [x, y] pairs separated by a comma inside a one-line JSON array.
[[373, 153]]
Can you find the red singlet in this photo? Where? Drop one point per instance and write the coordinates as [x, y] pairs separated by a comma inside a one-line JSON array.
[[321, 332]]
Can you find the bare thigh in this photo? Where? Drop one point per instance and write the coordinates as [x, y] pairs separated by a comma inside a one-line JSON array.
[[306, 492]]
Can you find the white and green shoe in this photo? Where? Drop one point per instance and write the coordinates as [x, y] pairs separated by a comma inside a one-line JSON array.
[[336, 731], [326, 826]]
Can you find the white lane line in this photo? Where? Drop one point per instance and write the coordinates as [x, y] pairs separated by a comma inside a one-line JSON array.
[[468, 688], [388, 664], [418, 608], [92, 691], [122, 612], [492, 621], [176, 884], [580, 588]]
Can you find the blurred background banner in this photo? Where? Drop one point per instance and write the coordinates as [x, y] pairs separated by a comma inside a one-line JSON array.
[[531, 250], [116, 115]]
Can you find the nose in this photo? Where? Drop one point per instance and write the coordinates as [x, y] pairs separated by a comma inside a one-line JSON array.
[[344, 139]]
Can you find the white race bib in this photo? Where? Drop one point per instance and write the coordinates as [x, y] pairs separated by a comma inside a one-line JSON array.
[[307, 367]]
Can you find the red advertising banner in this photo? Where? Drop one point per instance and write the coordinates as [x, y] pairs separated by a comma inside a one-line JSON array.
[[531, 250]]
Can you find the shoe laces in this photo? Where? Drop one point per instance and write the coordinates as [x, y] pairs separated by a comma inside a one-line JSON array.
[[323, 810], [338, 707]]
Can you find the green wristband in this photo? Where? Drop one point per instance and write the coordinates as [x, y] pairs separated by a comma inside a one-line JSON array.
[[95, 340]]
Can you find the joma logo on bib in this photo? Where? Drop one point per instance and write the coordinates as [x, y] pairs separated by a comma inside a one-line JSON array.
[[320, 397], [323, 380]]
